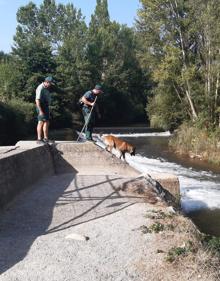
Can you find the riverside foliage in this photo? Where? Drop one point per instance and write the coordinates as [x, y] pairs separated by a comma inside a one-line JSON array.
[[180, 48], [53, 39], [165, 68]]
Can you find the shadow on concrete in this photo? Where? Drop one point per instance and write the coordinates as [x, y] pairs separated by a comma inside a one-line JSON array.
[[22, 223], [96, 207]]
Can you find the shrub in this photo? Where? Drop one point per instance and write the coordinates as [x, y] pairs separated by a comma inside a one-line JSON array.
[[196, 142], [16, 121]]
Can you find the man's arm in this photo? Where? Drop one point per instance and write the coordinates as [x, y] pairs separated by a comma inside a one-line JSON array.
[[39, 107], [85, 101], [37, 100]]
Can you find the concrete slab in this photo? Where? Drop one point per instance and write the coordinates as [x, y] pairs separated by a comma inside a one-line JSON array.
[[34, 232]]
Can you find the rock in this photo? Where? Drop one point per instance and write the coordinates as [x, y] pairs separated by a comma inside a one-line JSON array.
[[76, 236]]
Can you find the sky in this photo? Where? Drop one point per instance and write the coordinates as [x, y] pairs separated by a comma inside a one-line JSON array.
[[122, 11]]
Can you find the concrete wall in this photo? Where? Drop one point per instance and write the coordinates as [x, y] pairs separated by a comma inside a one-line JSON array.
[[20, 168], [89, 159]]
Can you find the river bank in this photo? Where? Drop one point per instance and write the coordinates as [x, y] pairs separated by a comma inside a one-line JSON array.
[[197, 143]]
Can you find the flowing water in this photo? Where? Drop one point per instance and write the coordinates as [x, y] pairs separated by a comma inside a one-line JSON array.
[[199, 182]]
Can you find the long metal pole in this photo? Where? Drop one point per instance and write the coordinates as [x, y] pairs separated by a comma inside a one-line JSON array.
[[87, 120]]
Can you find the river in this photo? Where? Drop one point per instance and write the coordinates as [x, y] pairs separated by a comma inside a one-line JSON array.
[[199, 181]]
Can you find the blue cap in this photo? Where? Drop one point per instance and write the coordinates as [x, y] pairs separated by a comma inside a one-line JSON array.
[[49, 79]]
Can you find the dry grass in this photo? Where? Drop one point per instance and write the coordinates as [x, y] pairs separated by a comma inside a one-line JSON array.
[[177, 251], [197, 143], [179, 254]]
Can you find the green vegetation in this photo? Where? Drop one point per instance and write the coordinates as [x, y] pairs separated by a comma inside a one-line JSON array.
[[165, 68], [53, 39], [180, 47], [197, 142], [16, 121], [156, 227], [212, 243], [175, 252]]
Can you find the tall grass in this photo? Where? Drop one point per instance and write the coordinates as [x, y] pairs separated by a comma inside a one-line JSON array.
[[197, 142]]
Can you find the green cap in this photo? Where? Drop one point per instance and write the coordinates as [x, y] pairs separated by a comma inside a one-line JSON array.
[[98, 87]]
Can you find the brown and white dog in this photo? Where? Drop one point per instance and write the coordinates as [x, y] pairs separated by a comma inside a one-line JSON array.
[[119, 144]]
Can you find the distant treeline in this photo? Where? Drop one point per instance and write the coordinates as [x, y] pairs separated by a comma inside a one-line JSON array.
[[165, 68]]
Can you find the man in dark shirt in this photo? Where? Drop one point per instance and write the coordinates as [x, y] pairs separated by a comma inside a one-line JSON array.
[[89, 100]]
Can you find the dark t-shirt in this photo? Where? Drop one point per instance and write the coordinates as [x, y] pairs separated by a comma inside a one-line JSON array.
[[90, 96]]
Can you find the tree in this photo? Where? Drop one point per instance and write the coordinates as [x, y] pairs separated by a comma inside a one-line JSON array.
[[8, 76], [111, 52], [180, 47], [41, 40]]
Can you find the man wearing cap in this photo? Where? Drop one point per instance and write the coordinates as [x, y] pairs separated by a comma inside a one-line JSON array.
[[43, 99], [88, 100]]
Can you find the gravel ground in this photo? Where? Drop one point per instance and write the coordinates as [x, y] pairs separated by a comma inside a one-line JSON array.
[[42, 234]]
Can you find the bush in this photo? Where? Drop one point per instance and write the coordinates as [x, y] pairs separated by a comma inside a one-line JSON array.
[[16, 121], [212, 243], [164, 112], [198, 143]]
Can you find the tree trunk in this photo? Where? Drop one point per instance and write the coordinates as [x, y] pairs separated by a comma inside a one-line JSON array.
[[188, 88]]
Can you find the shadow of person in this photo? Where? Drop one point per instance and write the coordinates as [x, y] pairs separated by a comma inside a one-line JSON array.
[[93, 197], [22, 223]]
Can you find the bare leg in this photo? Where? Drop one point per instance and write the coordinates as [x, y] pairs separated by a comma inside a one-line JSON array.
[[45, 129], [39, 129]]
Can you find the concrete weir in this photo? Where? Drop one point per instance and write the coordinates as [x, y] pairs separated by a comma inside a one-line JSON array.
[[25, 163], [77, 217]]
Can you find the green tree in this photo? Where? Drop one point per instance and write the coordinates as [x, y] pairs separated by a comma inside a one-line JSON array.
[[179, 45], [112, 55], [40, 44], [8, 76]]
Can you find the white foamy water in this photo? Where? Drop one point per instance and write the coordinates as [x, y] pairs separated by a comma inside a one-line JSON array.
[[199, 189], [154, 134]]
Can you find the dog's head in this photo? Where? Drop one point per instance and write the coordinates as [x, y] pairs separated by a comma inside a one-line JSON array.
[[132, 151]]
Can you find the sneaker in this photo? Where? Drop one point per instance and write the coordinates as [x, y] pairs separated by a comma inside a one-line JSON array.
[[48, 141], [40, 142]]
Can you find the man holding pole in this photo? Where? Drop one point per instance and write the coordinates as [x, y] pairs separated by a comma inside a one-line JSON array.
[[88, 104]]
